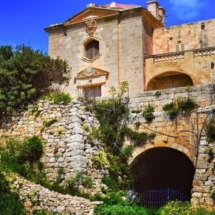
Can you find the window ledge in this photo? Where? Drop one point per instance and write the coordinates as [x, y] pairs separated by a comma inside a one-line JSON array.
[[85, 59]]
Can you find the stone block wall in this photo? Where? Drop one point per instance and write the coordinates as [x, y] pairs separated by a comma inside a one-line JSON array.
[[185, 37], [66, 144], [197, 65], [131, 52], [178, 134], [204, 178], [70, 47]]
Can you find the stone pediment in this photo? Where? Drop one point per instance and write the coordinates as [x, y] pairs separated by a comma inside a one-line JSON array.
[[91, 72], [90, 13]]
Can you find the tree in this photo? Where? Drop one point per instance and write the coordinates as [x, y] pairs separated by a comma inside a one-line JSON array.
[[26, 75]]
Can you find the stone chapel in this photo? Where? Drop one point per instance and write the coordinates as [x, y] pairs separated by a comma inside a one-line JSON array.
[[105, 45]]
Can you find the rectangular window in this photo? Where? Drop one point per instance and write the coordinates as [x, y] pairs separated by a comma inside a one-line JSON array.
[[179, 47], [182, 47], [91, 92]]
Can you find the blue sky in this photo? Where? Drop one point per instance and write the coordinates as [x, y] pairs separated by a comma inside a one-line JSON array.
[[23, 21]]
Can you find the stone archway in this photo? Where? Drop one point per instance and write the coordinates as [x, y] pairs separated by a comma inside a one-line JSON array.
[[169, 80], [164, 172]]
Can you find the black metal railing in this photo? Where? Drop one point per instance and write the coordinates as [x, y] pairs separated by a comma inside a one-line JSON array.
[[157, 198]]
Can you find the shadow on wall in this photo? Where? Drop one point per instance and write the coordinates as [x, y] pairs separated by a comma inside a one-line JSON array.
[[169, 80]]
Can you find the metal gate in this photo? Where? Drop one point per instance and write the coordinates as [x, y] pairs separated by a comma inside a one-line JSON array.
[[157, 198]]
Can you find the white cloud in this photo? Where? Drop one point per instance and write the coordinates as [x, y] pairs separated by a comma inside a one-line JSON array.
[[186, 9]]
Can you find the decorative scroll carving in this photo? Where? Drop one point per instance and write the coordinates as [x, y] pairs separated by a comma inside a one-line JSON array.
[[91, 72], [91, 26]]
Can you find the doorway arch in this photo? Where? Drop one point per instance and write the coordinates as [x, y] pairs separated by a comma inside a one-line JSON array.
[[162, 174], [169, 80]]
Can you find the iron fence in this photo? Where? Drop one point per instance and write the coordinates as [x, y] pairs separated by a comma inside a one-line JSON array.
[[157, 198]]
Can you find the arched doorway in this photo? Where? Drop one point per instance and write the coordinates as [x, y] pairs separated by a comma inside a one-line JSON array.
[[169, 80], [161, 175]]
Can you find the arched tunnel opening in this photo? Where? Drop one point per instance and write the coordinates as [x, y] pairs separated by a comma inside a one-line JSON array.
[[161, 175]]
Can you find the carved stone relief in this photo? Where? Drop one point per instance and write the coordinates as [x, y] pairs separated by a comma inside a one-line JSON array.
[[91, 26]]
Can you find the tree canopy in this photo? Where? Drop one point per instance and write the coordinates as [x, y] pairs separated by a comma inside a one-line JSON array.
[[26, 75]]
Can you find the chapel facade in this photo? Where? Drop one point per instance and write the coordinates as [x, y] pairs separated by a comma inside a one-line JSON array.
[[106, 45]]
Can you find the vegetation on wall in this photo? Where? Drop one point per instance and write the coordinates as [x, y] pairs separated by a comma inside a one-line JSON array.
[[148, 113], [113, 116], [59, 98], [10, 203], [210, 129], [182, 106], [23, 157], [25, 76]]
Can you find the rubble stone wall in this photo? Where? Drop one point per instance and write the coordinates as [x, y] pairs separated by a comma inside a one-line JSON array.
[[66, 145], [37, 198]]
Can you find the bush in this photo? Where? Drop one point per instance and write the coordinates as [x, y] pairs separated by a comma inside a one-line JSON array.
[[10, 204], [26, 75], [210, 129], [171, 110], [31, 150], [183, 208], [60, 98], [50, 122], [148, 113], [187, 105], [119, 209], [180, 106], [23, 158]]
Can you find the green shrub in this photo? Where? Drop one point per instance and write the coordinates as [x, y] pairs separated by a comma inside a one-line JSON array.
[[184, 106], [139, 138], [136, 111], [137, 125], [183, 208], [110, 183], [63, 98], [157, 94], [49, 122], [10, 203], [148, 113], [210, 155], [31, 150], [119, 209], [213, 195], [26, 75], [210, 129], [171, 110], [99, 160], [23, 158]]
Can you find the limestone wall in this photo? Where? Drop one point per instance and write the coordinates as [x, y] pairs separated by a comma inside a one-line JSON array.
[[204, 178], [37, 198], [178, 134], [131, 52], [197, 64], [66, 145], [184, 37]]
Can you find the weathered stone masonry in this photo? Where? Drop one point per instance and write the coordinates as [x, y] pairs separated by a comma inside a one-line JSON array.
[[67, 146]]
